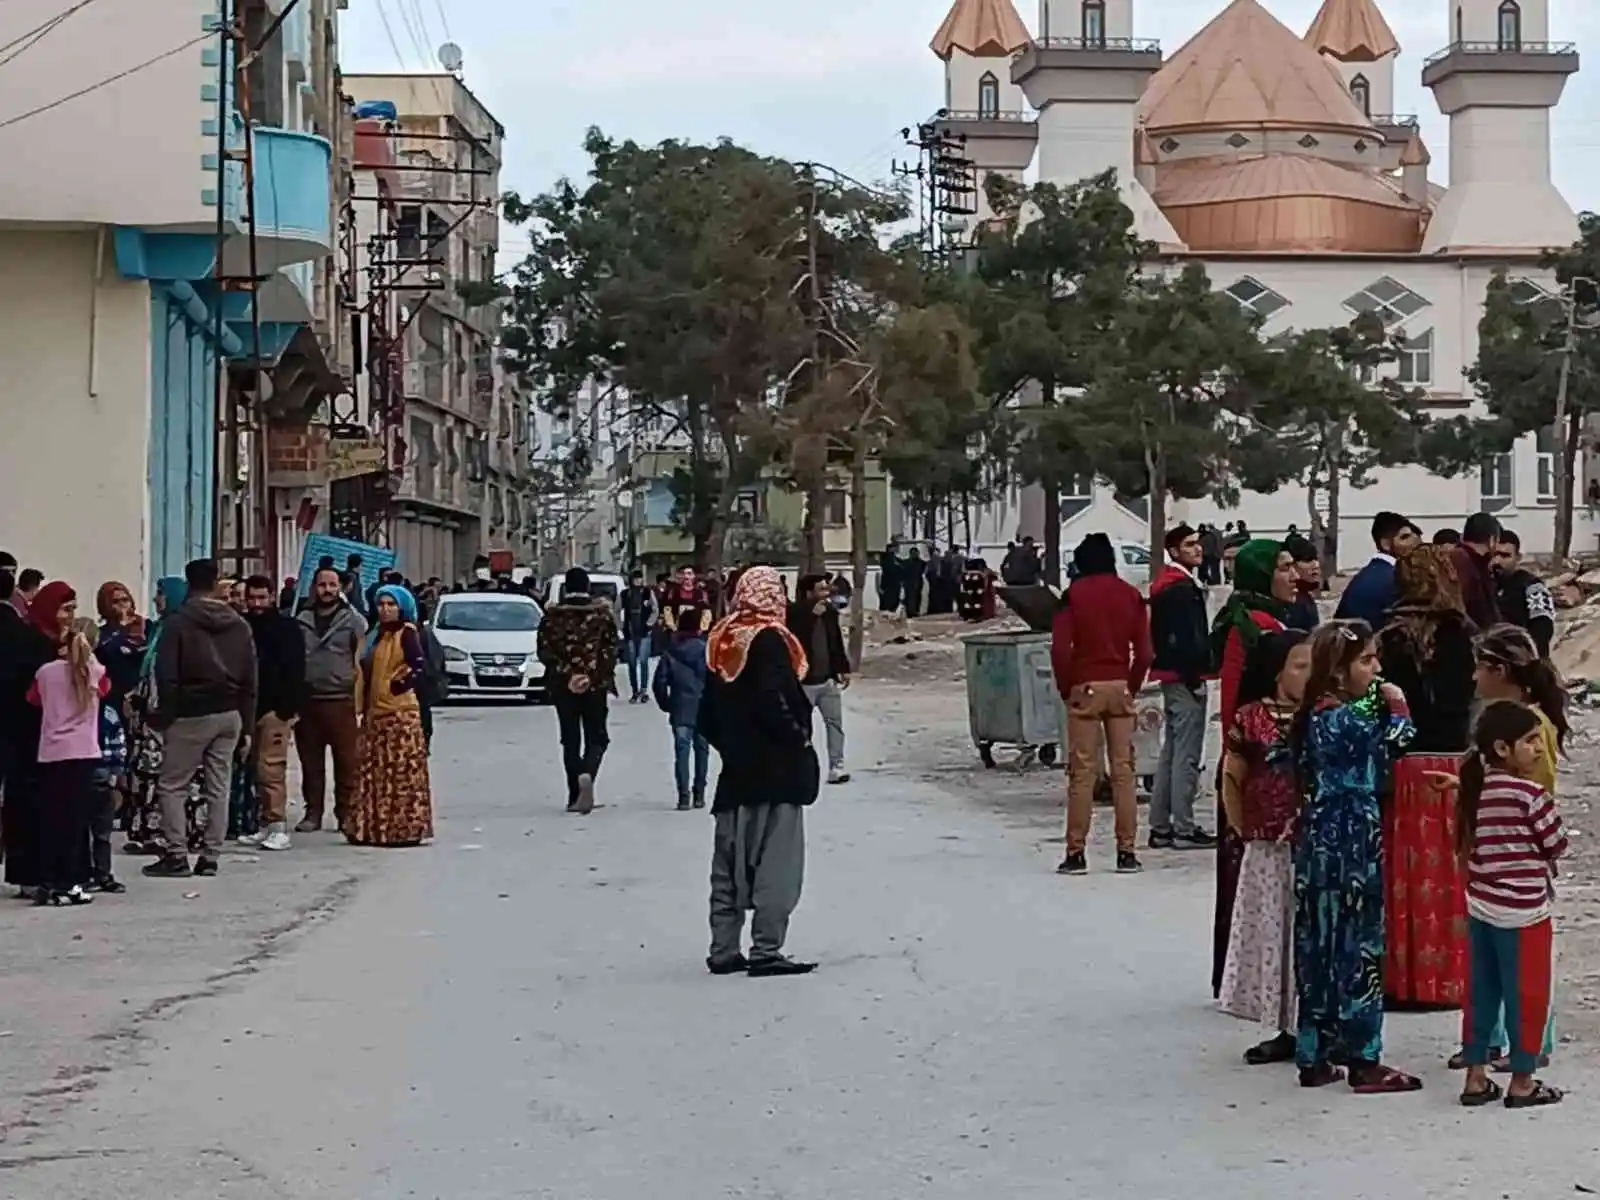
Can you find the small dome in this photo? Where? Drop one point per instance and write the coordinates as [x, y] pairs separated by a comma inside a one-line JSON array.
[[981, 28], [1352, 31]]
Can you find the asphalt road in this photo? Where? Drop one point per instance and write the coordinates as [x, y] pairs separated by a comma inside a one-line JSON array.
[[521, 1010]]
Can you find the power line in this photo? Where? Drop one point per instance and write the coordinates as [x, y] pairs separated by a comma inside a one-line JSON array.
[[388, 29], [443, 20], [38, 33], [106, 82]]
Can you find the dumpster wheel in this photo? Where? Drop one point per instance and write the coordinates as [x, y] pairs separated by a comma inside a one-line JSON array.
[[1047, 754], [986, 753]]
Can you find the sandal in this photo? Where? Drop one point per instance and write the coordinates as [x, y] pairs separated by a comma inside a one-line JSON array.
[[1375, 1079], [1320, 1075], [1279, 1049], [1458, 1060], [1541, 1095], [1488, 1095]]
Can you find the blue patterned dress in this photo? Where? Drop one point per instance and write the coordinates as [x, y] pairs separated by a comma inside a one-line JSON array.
[[1338, 880]]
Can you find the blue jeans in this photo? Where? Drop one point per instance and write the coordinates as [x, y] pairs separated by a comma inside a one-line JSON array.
[[684, 740], [637, 652]]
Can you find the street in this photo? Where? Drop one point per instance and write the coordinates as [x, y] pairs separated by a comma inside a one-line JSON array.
[[522, 1010]]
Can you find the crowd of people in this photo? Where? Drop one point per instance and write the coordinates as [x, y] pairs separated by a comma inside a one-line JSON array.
[[1388, 831], [177, 726]]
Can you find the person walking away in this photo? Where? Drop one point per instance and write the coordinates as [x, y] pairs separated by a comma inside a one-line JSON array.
[[1370, 594], [205, 703], [280, 695], [1347, 731], [911, 583], [1261, 794], [334, 633], [1264, 590], [22, 817], [889, 575], [1510, 837], [1427, 652], [1521, 596], [1100, 651], [1180, 634], [756, 716], [578, 647], [393, 805], [679, 683], [814, 621], [1474, 556], [1305, 615], [68, 691], [639, 614]]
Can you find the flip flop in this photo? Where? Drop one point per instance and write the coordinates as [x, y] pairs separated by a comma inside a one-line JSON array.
[[1491, 1092], [1541, 1095], [1379, 1080]]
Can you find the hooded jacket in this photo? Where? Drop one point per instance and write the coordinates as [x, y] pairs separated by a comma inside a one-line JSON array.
[[1102, 631], [331, 653], [205, 664], [680, 680], [1180, 629]]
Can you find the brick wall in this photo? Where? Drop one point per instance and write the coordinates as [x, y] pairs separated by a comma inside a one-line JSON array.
[[297, 455]]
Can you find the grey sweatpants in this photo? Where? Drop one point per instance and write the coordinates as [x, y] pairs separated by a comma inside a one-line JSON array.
[[828, 699], [758, 863], [203, 744], [1178, 773]]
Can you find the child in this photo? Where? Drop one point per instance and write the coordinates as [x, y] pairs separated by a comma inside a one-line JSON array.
[[679, 682], [1349, 728], [68, 690], [1509, 836], [1262, 797], [109, 779], [1509, 668]]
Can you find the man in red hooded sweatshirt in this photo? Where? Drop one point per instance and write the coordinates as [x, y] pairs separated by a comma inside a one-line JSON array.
[[1100, 652]]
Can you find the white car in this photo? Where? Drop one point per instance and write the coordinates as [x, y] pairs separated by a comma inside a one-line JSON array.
[[490, 642], [1133, 562]]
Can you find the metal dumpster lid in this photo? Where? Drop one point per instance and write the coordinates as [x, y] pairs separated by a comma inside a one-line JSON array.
[[1035, 603]]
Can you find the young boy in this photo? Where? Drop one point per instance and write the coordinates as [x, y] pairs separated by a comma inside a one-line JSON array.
[[680, 681]]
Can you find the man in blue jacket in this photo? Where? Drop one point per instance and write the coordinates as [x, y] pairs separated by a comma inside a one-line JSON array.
[[1371, 593], [680, 681]]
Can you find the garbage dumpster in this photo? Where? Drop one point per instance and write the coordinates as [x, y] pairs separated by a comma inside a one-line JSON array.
[[1149, 719], [1011, 690]]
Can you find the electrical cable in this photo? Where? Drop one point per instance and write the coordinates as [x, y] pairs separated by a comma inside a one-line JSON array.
[[8, 122], [388, 29], [443, 20], [21, 44]]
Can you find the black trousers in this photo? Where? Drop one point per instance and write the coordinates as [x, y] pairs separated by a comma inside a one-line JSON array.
[[584, 739], [102, 820], [66, 794]]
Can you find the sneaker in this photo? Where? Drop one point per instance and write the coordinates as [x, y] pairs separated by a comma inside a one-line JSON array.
[[276, 838], [837, 777], [1161, 841], [699, 799], [1128, 863], [1196, 839], [683, 803], [767, 967], [310, 824], [585, 802], [205, 866], [252, 839], [1075, 863], [168, 866]]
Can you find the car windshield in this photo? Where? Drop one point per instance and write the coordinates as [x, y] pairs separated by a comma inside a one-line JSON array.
[[488, 616]]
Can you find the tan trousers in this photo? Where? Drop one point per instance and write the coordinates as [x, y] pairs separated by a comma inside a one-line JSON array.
[[272, 768], [1093, 709]]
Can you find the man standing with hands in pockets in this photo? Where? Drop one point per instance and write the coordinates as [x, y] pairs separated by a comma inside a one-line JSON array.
[[814, 621]]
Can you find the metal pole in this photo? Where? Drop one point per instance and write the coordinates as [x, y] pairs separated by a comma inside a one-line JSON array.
[[219, 373]]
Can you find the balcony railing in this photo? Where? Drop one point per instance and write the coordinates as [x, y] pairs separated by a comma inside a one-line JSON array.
[[1123, 45], [1550, 48], [1398, 120], [962, 114]]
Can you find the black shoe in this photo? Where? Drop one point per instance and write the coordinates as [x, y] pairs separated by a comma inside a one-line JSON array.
[[728, 966], [1128, 863], [1074, 864], [110, 885], [699, 799], [764, 967], [205, 866], [1196, 839], [683, 804], [1161, 841], [168, 866]]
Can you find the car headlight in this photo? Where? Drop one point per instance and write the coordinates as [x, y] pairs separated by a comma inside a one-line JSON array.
[[451, 654]]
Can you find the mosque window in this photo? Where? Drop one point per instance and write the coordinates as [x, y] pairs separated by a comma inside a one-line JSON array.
[[1393, 302], [1255, 296], [1094, 22], [1361, 93], [1416, 360], [988, 96], [1510, 26]]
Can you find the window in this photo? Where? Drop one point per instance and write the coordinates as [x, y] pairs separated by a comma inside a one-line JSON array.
[[1094, 22], [1393, 302], [747, 507], [1494, 483], [1416, 359], [488, 616], [1361, 93], [988, 96], [1256, 296], [1546, 445], [835, 512], [1135, 556], [1510, 26], [1076, 495]]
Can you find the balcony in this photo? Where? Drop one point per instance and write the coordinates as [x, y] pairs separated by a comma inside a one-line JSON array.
[[1515, 73], [293, 202]]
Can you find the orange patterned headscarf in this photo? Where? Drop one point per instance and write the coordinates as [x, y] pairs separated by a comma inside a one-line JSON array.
[[759, 602]]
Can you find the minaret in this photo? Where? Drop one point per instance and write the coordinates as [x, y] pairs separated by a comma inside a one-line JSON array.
[[1497, 82], [981, 104], [1355, 40], [1084, 75]]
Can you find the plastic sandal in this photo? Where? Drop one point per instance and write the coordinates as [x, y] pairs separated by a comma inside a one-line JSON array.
[[1541, 1095], [1320, 1075], [1488, 1095], [1375, 1079]]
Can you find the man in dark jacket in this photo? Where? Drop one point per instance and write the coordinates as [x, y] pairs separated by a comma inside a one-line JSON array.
[[1524, 599], [814, 620], [578, 646], [205, 704], [1308, 571], [1473, 555], [1180, 633], [280, 695], [1371, 594], [638, 613], [679, 682]]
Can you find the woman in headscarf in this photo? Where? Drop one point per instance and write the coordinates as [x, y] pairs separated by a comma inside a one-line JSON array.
[[393, 805], [758, 719], [142, 815], [1427, 653], [50, 617], [122, 639], [1265, 584]]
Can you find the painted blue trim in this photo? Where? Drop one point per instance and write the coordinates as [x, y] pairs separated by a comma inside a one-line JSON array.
[[208, 162], [208, 92], [202, 316], [144, 255], [209, 127], [182, 430], [212, 22], [208, 197]]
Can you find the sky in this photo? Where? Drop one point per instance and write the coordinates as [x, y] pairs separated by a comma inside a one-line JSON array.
[[827, 80]]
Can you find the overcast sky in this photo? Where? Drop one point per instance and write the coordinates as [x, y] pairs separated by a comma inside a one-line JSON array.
[[831, 80]]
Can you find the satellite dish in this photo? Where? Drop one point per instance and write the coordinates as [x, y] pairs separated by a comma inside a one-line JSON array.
[[450, 56]]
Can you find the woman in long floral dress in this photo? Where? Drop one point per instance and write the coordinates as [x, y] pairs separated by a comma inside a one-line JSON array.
[[394, 801], [142, 821]]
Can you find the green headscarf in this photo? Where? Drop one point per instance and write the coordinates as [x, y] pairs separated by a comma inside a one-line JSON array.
[[173, 590], [1253, 569]]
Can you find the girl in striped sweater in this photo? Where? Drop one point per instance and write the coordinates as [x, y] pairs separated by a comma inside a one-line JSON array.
[[1509, 836]]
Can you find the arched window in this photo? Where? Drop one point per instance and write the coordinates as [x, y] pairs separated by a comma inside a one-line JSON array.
[[1361, 93], [1094, 22], [1510, 26], [988, 96]]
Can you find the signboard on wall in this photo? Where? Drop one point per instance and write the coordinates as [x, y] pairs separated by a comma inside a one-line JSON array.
[[374, 560]]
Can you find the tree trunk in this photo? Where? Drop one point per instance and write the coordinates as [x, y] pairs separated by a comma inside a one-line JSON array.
[[1052, 534], [813, 552], [858, 549], [1158, 511], [1567, 460], [1330, 555]]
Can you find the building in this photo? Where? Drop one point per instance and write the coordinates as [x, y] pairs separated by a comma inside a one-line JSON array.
[[465, 435], [124, 214], [1275, 159]]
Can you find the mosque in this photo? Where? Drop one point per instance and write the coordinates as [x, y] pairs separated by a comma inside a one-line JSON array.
[[1276, 160]]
